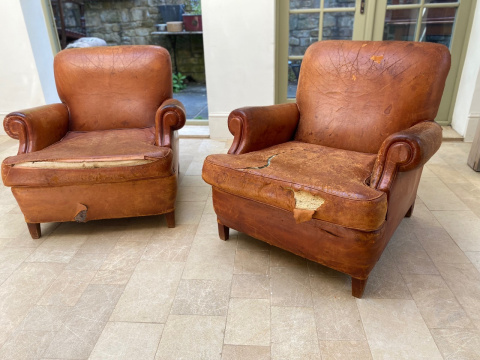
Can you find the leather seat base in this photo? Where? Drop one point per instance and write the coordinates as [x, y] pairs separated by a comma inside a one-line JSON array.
[[101, 201]]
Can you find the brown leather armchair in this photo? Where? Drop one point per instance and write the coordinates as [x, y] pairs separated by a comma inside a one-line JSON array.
[[330, 177], [109, 150]]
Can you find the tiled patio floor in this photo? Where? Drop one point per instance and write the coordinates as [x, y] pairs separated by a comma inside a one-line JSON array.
[[134, 289]]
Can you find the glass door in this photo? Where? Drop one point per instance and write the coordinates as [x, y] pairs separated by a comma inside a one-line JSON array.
[[302, 22]]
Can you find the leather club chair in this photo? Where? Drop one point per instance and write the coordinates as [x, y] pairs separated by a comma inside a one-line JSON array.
[[330, 177], [109, 150]]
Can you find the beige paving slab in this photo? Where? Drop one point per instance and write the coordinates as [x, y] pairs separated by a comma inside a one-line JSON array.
[[282, 258], [193, 180], [345, 350], [248, 322], [12, 225], [82, 261], [120, 263], [58, 248], [149, 294], [122, 340], [188, 212], [251, 286], [192, 337], [474, 257], [202, 297], [251, 262], [45, 318], [210, 258], [195, 168], [290, 286], [462, 226], [21, 291], [246, 242], [385, 281], [26, 345], [85, 322], [67, 288], [429, 190], [336, 312], [458, 343], [172, 246], [395, 330], [193, 193], [11, 259], [464, 281], [243, 352], [293, 333], [437, 304]]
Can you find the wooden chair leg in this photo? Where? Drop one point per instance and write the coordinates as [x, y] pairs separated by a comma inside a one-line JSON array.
[[170, 219], [358, 286], [410, 211], [223, 231], [35, 231]]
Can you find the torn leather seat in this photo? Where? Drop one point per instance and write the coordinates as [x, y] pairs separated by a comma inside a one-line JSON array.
[[310, 181], [109, 150], [330, 177]]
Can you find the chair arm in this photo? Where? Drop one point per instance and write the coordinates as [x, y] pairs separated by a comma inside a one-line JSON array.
[[405, 150], [38, 127], [256, 128], [170, 116]]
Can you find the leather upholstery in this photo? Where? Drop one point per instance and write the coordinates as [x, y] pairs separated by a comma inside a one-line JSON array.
[[332, 182], [330, 177], [109, 150]]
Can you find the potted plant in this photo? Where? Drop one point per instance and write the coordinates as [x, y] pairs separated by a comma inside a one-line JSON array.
[[192, 18]]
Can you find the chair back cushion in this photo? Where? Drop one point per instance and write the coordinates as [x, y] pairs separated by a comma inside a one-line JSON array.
[[113, 87], [354, 94]]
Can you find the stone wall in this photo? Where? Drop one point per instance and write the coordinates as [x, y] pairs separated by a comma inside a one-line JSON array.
[[131, 22]]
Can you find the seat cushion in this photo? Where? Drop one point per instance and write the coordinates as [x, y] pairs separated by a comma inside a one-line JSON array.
[[309, 180], [91, 157]]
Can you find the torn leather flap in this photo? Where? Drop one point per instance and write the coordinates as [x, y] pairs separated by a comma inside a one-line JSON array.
[[302, 215], [305, 205], [81, 213]]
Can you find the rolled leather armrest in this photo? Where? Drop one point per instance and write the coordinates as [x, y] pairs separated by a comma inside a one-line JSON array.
[[38, 127], [405, 150], [170, 116], [256, 128]]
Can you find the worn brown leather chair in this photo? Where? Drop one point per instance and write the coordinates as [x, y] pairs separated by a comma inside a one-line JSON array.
[[109, 150], [330, 177]]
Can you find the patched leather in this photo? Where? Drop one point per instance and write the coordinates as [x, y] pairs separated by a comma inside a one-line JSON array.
[[335, 180]]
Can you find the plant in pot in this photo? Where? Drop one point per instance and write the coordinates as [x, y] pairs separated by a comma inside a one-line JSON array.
[[192, 18]]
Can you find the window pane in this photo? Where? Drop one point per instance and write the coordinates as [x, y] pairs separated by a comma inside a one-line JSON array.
[[400, 24], [339, 3], [304, 4], [440, 1], [403, 2], [437, 25], [303, 32], [338, 26], [293, 71]]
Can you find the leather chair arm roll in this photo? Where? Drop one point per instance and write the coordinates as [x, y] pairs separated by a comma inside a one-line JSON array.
[[38, 127], [405, 150], [170, 116], [256, 128]]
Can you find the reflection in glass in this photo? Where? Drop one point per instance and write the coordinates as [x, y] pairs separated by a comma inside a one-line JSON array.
[[303, 32], [339, 3], [293, 72], [304, 4], [402, 2], [437, 25], [338, 26], [440, 1], [400, 24]]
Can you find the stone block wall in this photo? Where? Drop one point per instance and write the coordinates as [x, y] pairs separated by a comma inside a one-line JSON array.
[[131, 22]]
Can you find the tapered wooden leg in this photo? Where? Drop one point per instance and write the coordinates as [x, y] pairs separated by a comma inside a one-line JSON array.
[[357, 287], [34, 229], [170, 219], [223, 231], [410, 211]]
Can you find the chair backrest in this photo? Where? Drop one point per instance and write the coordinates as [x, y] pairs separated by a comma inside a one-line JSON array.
[[354, 94], [113, 86]]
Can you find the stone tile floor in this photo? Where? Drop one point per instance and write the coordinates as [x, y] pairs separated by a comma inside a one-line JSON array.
[[134, 289]]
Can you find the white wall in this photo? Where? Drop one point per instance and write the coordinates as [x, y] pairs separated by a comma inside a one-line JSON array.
[[466, 114], [239, 43], [26, 75]]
